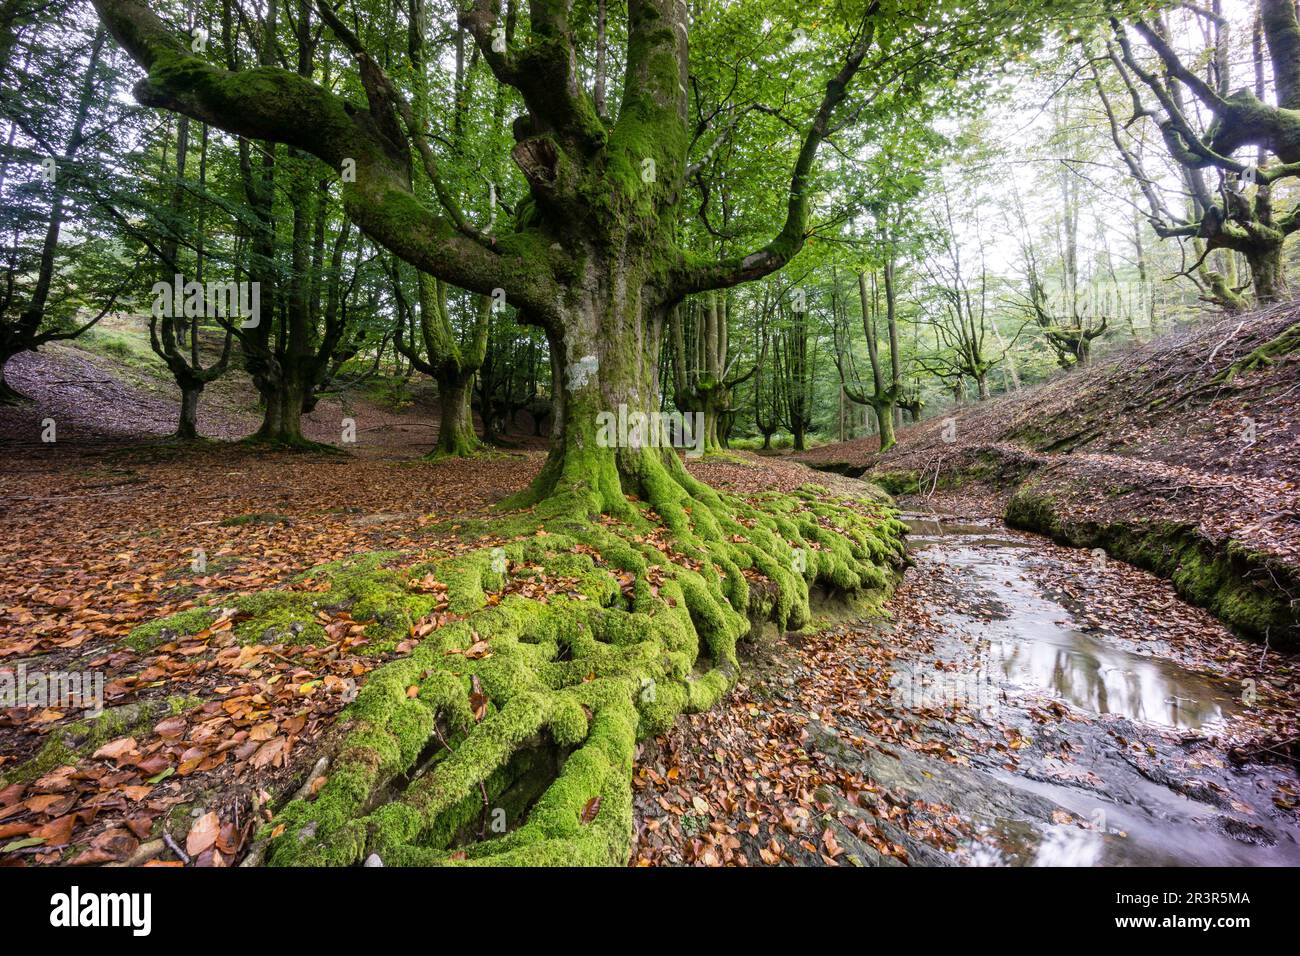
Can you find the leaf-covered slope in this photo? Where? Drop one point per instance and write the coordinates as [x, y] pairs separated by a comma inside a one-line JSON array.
[[1182, 456]]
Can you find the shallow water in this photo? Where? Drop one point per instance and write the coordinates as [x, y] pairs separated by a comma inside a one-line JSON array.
[[1131, 721], [1033, 650]]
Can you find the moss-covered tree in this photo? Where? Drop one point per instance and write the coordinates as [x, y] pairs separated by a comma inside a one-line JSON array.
[[886, 382], [1223, 212], [444, 357], [704, 370], [673, 573]]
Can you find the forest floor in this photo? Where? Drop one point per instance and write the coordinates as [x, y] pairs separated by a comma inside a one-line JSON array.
[[109, 389], [849, 742], [102, 529]]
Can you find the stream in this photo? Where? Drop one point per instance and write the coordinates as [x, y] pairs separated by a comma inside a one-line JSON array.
[[1074, 743]]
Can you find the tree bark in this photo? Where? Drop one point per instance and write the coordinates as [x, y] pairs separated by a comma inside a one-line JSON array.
[[188, 427], [282, 415], [8, 396], [1268, 274], [596, 260], [456, 437]]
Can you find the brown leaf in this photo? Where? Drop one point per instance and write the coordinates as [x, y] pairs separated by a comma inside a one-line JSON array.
[[173, 728], [117, 750], [271, 752], [203, 834], [57, 832], [478, 700]]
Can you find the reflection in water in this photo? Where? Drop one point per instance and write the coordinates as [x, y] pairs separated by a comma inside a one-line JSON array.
[[1106, 681], [1023, 641], [1033, 648]]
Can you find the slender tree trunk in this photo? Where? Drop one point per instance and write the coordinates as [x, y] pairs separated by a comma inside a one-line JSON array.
[[883, 398]]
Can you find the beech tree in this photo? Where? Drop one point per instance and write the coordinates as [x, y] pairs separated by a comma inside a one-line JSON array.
[[886, 380], [446, 359], [595, 258], [168, 336], [1231, 195], [705, 371], [38, 300]]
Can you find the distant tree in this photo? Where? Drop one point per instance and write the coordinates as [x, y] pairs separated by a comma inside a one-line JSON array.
[[1221, 211]]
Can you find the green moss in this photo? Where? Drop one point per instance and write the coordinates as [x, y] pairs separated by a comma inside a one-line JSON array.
[[898, 482], [150, 635], [641, 622], [1287, 343], [278, 617], [67, 744], [1251, 592]]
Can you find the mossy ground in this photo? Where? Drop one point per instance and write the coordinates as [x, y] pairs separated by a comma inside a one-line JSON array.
[[541, 654], [81, 738]]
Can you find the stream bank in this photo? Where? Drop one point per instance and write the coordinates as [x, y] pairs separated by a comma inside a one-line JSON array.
[[1024, 704]]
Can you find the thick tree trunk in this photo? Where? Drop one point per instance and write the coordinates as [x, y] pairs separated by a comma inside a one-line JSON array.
[[1268, 275], [188, 427], [712, 425], [1083, 352], [7, 394], [606, 352], [456, 438], [282, 417]]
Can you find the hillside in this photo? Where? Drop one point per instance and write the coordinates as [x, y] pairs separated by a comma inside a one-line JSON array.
[[108, 388], [1181, 456]]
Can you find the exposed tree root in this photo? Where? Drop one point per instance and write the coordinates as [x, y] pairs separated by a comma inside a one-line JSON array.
[[1285, 344], [507, 735]]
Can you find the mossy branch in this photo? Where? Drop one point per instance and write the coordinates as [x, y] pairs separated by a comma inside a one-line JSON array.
[[278, 105]]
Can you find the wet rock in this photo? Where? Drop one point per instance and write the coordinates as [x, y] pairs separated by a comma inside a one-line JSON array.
[[1246, 832]]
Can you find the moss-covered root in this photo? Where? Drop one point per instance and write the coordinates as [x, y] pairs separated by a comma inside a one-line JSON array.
[[1288, 343], [508, 736]]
